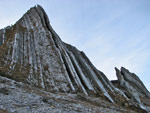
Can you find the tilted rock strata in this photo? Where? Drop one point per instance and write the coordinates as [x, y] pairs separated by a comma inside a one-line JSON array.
[[33, 53], [132, 86]]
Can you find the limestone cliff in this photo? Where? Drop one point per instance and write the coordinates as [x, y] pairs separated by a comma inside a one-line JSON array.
[[32, 53]]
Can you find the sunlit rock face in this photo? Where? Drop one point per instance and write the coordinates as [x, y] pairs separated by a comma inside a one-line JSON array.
[[132, 86], [31, 52]]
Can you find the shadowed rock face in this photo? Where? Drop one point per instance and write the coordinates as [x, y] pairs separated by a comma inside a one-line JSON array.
[[32, 52]]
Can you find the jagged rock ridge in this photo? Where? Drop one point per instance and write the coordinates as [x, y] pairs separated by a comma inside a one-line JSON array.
[[132, 86], [33, 53]]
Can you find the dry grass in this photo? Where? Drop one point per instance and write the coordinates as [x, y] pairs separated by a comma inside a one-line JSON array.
[[3, 111]]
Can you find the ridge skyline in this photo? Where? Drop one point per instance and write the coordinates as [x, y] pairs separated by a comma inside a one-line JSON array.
[[33, 54], [94, 58]]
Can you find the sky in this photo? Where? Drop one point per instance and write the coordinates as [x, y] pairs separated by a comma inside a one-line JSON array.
[[112, 33]]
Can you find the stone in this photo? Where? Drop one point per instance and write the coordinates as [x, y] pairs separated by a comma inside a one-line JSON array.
[[132, 86], [33, 55]]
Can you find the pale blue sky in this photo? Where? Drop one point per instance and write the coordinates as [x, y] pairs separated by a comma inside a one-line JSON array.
[[112, 33]]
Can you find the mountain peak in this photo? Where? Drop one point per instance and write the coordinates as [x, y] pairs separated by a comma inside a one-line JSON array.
[[35, 17], [32, 52]]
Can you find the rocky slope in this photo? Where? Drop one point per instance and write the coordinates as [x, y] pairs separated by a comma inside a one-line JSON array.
[[17, 97], [32, 53]]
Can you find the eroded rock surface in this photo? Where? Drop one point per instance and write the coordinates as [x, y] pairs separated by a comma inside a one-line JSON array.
[[22, 98], [132, 86], [32, 53]]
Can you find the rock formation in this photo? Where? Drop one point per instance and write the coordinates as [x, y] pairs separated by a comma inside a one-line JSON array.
[[32, 53], [132, 86]]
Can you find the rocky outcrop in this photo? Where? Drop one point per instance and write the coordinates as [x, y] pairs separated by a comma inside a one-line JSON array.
[[132, 86], [32, 53]]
